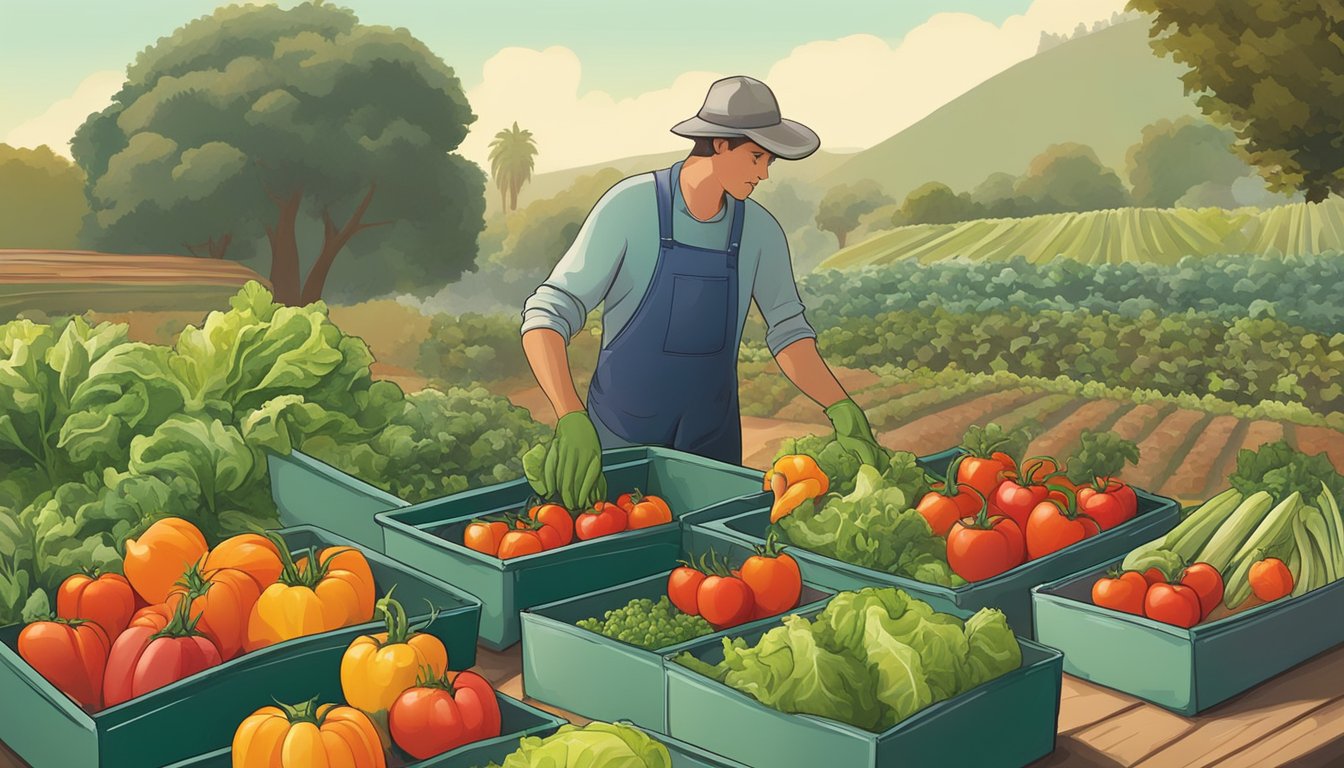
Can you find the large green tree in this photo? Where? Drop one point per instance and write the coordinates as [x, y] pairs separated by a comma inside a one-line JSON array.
[[1173, 157], [844, 204], [304, 125], [512, 155], [1273, 72], [41, 199], [935, 203]]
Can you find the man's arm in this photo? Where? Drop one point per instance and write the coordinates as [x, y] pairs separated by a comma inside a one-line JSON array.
[[802, 363], [547, 354]]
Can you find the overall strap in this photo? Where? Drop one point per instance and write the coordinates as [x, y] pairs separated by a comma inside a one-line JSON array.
[[735, 238], [663, 182]]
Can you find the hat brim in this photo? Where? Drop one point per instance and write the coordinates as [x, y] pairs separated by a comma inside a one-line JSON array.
[[788, 139]]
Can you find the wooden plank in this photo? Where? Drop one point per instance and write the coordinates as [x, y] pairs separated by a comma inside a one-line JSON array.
[[1233, 726], [1134, 734], [1084, 704], [1314, 741], [1070, 752]]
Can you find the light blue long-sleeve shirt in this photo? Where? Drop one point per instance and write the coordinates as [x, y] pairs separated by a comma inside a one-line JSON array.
[[615, 252]]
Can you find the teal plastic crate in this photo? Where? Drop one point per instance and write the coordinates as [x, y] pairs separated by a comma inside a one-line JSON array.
[[47, 728], [1007, 722], [516, 721], [748, 519], [310, 492], [602, 678], [428, 536], [1184, 670]]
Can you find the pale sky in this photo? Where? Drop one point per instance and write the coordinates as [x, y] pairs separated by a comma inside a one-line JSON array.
[[594, 80]]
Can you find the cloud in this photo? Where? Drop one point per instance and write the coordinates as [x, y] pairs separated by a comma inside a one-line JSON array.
[[855, 91], [56, 126]]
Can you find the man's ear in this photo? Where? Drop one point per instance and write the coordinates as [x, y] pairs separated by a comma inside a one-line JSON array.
[[720, 146]]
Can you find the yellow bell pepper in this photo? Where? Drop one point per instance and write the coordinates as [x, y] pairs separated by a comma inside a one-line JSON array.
[[318, 594], [376, 669], [306, 735]]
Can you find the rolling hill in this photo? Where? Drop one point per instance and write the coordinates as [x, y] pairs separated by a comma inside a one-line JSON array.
[[1098, 90]]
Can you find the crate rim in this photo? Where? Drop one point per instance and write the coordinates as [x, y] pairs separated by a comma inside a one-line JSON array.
[[332, 472], [78, 713]]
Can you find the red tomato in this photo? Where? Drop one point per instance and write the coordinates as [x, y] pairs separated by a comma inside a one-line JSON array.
[[1155, 575], [437, 716], [1124, 592], [1017, 501], [682, 586], [983, 547], [1271, 579], [1053, 526], [143, 660], [606, 520], [1208, 585], [70, 655], [484, 536], [108, 600], [558, 519], [985, 474], [725, 601], [1109, 507], [941, 509], [520, 543], [1174, 604], [774, 578]]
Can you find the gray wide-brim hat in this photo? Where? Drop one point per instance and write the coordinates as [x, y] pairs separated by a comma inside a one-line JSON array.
[[744, 106]]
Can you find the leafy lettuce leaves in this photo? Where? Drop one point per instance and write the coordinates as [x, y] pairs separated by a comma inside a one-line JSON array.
[[596, 745], [871, 658]]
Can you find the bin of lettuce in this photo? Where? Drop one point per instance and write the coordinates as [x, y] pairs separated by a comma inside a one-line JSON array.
[[608, 745]]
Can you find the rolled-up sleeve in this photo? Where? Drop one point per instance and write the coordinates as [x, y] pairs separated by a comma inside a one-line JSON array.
[[584, 274], [776, 293]]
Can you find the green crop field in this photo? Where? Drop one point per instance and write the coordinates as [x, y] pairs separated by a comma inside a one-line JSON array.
[[1111, 237]]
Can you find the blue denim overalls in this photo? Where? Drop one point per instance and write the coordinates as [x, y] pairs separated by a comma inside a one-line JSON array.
[[669, 378]]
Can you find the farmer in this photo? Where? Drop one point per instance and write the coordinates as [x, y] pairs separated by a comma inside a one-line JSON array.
[[677, 256]]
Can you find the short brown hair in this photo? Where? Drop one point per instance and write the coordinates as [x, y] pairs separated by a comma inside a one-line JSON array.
[[704, 145]]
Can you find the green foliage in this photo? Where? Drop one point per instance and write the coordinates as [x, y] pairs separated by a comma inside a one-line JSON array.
[[1270, 72], [1174, 157], [42, 201], [871, 658], [647, 624], [936, 203], [511, 161], [595, 745], [1069, 177], [874, 526], [1244, 361], [843, 205], [99, 436], [472, 347], [1300, 291], [1100, 455], [221, 140], [1281, 470]]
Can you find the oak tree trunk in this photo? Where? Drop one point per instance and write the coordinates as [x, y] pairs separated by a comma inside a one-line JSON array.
[[333, 240], [285, 249]]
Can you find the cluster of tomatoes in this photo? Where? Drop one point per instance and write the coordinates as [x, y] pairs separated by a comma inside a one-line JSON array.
[[768, 583], [996, 516], [181, 608], [548, 526], [1191, 597]]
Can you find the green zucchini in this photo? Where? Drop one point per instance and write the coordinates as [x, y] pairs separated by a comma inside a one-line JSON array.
[[1189, 538], [1235, 531], [1274, 534]]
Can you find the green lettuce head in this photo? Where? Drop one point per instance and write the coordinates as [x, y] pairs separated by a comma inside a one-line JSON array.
[[596, 745]]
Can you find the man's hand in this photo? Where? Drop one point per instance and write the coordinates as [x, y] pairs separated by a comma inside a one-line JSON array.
[[854, 435], [573, 465]]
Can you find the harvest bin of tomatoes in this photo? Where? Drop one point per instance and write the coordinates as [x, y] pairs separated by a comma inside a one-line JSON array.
[[515, 551], [140, 670], [904, 685], [601, 655], [1236, 593], [1002, 525]]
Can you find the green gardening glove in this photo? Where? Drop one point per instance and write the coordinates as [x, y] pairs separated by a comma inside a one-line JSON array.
[[854, 435], [573, 464]]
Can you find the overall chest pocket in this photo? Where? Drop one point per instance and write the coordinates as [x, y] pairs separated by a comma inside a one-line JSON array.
[[698, 324]]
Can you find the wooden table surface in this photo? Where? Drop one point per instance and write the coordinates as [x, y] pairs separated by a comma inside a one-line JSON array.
[[1295, 719]]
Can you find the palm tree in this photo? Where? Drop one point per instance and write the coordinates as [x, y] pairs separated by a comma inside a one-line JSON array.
[[511, 156]]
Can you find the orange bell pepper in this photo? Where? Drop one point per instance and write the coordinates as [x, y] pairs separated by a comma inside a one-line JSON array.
[[317, 594], [794, 479], [155, 561]]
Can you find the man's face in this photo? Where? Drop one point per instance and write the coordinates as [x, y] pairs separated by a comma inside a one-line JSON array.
[[740, 169]]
